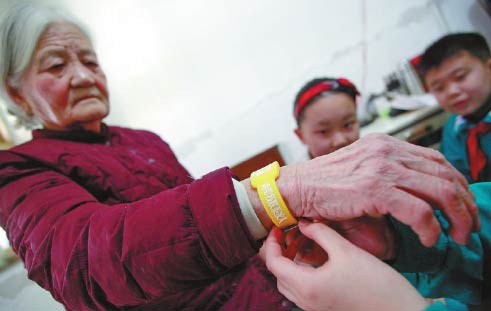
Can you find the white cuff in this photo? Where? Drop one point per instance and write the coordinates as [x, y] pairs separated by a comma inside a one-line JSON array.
[[255, 226]]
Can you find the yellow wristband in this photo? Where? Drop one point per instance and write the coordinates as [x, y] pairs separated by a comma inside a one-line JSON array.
[[264, 181]]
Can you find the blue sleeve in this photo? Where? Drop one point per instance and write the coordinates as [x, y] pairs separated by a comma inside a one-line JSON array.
[[449, 305], [437, 306], [449, 269], [412, 256], [482, 193]]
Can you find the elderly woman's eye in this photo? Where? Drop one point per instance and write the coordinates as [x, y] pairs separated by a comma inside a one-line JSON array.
[[56, 67], [91, 63]]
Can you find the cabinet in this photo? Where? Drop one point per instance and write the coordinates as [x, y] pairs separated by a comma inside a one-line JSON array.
[[244, 169], [421, 127]]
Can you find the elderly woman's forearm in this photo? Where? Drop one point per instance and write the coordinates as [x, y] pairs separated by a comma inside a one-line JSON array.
[[72, 244]]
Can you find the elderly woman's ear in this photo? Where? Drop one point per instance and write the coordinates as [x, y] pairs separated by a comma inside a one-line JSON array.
[[17, 97]]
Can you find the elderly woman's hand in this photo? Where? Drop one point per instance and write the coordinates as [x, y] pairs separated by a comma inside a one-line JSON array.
[[380, 175]]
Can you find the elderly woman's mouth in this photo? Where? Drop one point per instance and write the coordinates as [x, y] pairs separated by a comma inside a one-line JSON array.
[[85, 98]]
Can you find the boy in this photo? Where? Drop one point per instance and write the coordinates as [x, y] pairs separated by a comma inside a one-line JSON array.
[[457, 70]]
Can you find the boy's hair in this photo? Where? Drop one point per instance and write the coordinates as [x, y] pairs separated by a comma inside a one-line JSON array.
[[450, 45], [317, 88]]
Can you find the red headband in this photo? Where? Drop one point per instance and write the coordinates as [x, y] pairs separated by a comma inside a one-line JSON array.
[[323, 86]]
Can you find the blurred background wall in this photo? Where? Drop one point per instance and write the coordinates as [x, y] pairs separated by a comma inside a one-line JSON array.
[[216, 79]]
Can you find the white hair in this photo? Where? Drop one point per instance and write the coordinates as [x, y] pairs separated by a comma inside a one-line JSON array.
[[20, 30]]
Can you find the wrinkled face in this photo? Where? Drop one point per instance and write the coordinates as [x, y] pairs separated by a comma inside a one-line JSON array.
[[64, 86], [329, 123], [461, 84]]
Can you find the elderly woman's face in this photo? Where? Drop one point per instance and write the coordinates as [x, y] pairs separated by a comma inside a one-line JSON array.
[[64, 85]]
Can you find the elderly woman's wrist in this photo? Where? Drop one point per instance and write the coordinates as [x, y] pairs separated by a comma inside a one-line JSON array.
[[288, 186], [257, 205]]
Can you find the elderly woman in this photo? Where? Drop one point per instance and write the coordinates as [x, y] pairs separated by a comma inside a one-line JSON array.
[[106, 218]]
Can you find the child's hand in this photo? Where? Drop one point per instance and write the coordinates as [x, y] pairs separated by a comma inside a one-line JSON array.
[[351, 279], [371, 233], [303, 250]]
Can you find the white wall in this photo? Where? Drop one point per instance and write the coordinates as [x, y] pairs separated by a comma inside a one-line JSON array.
[[217, 78]]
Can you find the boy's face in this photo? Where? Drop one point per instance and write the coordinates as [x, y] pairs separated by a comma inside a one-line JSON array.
[[461, 84], [329, 123]]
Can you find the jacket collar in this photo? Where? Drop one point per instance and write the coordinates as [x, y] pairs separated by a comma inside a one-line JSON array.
[[75, 134], [462, 124]]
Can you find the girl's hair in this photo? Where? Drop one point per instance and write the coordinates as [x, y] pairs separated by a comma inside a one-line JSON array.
[[318, 87]]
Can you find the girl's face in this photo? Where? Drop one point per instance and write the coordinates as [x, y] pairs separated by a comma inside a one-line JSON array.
[[329, 124]]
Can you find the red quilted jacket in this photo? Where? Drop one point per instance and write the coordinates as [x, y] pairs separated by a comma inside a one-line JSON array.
[[112, 221]]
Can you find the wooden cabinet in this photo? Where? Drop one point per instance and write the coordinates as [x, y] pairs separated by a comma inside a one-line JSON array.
[[244, 169]]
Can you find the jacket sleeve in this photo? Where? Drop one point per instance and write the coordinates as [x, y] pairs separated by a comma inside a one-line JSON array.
[[447, 269], [451, 270], [482, 193], [95, 256], [448, 305]]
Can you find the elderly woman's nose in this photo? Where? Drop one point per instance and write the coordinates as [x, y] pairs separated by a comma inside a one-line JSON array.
[[81, 76]]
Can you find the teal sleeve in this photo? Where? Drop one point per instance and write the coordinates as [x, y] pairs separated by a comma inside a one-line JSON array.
[[437, 306], [482, 193], [412, 255], [449, 305], [447, 269]]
